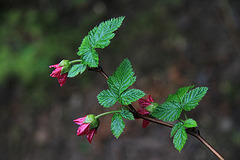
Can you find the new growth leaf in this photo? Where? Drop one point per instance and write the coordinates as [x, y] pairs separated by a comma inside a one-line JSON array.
[[186, 98], [180, 136], [118, 84], [98, 37], [193, 97], [168, 111], [76, 69]]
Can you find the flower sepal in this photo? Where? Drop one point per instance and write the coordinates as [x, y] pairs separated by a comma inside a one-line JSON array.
[[66, 66], [151, 107], [90, 119]]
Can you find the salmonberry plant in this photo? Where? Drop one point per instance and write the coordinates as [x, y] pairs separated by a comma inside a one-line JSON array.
[[168, 114]]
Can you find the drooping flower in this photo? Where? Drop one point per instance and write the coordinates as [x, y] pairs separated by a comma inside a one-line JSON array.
[[147, 106], [61, 71], [87, 126]]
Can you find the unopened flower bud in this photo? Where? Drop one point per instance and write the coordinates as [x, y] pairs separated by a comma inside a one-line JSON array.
[[66, 66]]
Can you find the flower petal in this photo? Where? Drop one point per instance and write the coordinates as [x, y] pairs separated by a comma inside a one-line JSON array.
[[143, 111], [91, 134], [62, 78], [54, 66], [79, 121], [143, 102], [83, 129], [56, 72], [145, 123], [150, 99]]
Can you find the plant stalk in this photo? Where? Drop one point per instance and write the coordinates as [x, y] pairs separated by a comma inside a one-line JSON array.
[[192, 131], [105, 113]]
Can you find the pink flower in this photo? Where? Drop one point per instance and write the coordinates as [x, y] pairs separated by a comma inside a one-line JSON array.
[[143, 111], [62, 78], [87, 126]]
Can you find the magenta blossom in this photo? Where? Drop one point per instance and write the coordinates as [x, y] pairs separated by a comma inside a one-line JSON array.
[[144, 110], [88, 126], [61, 71]]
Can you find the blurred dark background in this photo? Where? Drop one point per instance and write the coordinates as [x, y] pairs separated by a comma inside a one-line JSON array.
[[171, 43]]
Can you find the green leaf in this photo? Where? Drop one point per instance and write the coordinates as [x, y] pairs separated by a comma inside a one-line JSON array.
[[180, 137], [85, 46], [168, 111], [189, 123], [125, 113], [130, 95], [118, 83], [122, 78], [193, 97], [76, 69], [117, 125], [88, 54], [107, 98], [175, 128], [100, 36], [177, 97], [90, 58]]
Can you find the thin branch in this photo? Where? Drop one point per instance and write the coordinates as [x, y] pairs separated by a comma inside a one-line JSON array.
[[99, 70], [192, 131]]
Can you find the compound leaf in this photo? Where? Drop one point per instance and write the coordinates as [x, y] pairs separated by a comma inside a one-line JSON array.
[[122, 78], [98, 37]]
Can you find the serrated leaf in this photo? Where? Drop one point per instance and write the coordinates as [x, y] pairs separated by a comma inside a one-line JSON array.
[[125, 113], [76, 69], [107, 98], [130, 95], [168, 111], [193, 97], [122, 78], [177, 97], [180, 138], [189, 123], [100, 36], [175, 128], [88, 54], [85, 46], [117, 125], [90, 58]]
